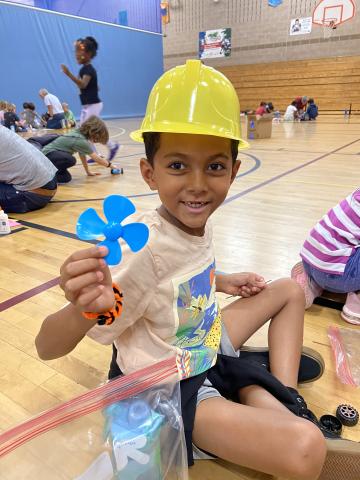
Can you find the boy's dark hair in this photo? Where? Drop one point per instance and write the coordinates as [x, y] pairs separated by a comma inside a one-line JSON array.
[[311, 100], [89, 44], [95, 129], [152, 144], [29, 106], [294, 103]]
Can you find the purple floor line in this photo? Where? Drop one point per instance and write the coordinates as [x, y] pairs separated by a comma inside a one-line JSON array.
[[284, 174], [28, 294]]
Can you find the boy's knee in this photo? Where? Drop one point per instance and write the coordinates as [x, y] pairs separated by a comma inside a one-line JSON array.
[[309, 452], [293, 290]]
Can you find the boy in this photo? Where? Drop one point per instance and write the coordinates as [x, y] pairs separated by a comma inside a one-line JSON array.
[[191, 133], [60, 149], [69, 116]]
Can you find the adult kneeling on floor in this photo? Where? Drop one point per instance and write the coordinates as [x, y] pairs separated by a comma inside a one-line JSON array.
[[27, 177], [55, 111]]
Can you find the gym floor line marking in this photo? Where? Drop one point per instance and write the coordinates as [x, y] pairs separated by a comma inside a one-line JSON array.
[[11, 302], [284, 174], [118, 134], [29, 293], [257, 164], [14, 231], [56, 231]]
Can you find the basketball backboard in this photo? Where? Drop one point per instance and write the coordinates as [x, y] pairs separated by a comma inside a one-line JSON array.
[[333, 12]]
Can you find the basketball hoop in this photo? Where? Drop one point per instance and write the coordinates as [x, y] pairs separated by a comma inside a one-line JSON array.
[[329, 25]]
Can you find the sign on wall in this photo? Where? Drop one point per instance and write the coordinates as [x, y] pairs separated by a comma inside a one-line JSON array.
[[215, 43], [300, 26]]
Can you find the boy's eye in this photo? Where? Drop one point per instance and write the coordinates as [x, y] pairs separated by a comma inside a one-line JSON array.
[[177, 166], [216, 167]]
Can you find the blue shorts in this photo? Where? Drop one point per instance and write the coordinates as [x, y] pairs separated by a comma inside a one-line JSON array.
[[349, 281]]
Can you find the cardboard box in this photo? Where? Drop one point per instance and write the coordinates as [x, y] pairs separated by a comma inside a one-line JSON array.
[[259, 127]]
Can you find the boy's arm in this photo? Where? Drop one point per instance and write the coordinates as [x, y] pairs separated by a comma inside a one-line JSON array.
[[243, 284], [84, 163], [61, 332], [86, 281], [100, 160]]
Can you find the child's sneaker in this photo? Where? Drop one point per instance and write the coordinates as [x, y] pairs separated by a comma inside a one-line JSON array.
[[351, 310], [311, 366], [311, 289], [113, 151]]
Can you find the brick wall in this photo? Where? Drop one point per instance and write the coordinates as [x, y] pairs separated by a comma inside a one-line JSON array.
[[259, 33]]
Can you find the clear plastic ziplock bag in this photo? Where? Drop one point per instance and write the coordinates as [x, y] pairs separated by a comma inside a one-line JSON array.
[[345, 343], [129, 428]]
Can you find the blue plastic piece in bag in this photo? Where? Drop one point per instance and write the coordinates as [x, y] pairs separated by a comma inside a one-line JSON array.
[[132, 429]]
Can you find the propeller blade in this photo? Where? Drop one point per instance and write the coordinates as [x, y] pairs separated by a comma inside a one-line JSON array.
[[116, 208], [114, 256], [89, 225], [136, 235]]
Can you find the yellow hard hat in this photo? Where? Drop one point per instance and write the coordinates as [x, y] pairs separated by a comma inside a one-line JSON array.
[[195, 99]]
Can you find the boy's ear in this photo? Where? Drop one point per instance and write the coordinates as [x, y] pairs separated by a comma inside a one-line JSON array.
[[147, 172], [235, 170]]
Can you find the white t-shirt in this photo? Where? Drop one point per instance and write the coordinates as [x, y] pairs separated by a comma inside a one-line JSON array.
[[50, 99], [289, 114], [21, 164], [169, 303]]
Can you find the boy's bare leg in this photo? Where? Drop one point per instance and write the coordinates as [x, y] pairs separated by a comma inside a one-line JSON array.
[[283, 302], [276, 442]]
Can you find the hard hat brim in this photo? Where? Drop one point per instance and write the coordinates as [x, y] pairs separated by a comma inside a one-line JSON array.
[[137, 136]]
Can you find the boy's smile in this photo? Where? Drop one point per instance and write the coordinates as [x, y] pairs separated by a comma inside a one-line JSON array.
[[192, 174]]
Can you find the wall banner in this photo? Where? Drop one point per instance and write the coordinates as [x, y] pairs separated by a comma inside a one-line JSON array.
[[215, 43], [300, 26]]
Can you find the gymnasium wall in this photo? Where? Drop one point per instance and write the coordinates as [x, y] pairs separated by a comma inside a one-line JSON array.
[[142, 14], [260, 33], [35, 43]]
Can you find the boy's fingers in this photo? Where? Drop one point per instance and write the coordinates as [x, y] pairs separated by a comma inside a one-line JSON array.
[[80, 267], [78, 283], [87, 298], [92, 252]]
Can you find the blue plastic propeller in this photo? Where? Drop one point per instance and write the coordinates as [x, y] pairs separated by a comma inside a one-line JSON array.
[[116, 208]]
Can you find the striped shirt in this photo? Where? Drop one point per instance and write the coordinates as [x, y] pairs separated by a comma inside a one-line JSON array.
[[333, 240]]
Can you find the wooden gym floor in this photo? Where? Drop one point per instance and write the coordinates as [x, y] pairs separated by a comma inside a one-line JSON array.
[[285, 185]]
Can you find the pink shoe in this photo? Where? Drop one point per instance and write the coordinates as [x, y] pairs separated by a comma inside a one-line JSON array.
[[311, 289], [351, 310]]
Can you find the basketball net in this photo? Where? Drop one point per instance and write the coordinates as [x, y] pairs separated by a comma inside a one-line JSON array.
[[329, 25]]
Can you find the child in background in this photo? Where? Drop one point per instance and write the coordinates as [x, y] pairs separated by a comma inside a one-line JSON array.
[[69, 116], [261, 110], [191, 132], [30, 117], [11, 120], [300, 104], [3, 108], [331, 257], [87, 82], [311, 111], [291, 113], [60, 151]]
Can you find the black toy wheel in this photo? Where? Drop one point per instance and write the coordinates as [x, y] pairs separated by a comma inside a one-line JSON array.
[[121, 170], [347, 415], [331, 424]]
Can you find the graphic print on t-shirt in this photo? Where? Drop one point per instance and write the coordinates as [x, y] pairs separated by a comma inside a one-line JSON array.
[[199, 322]]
